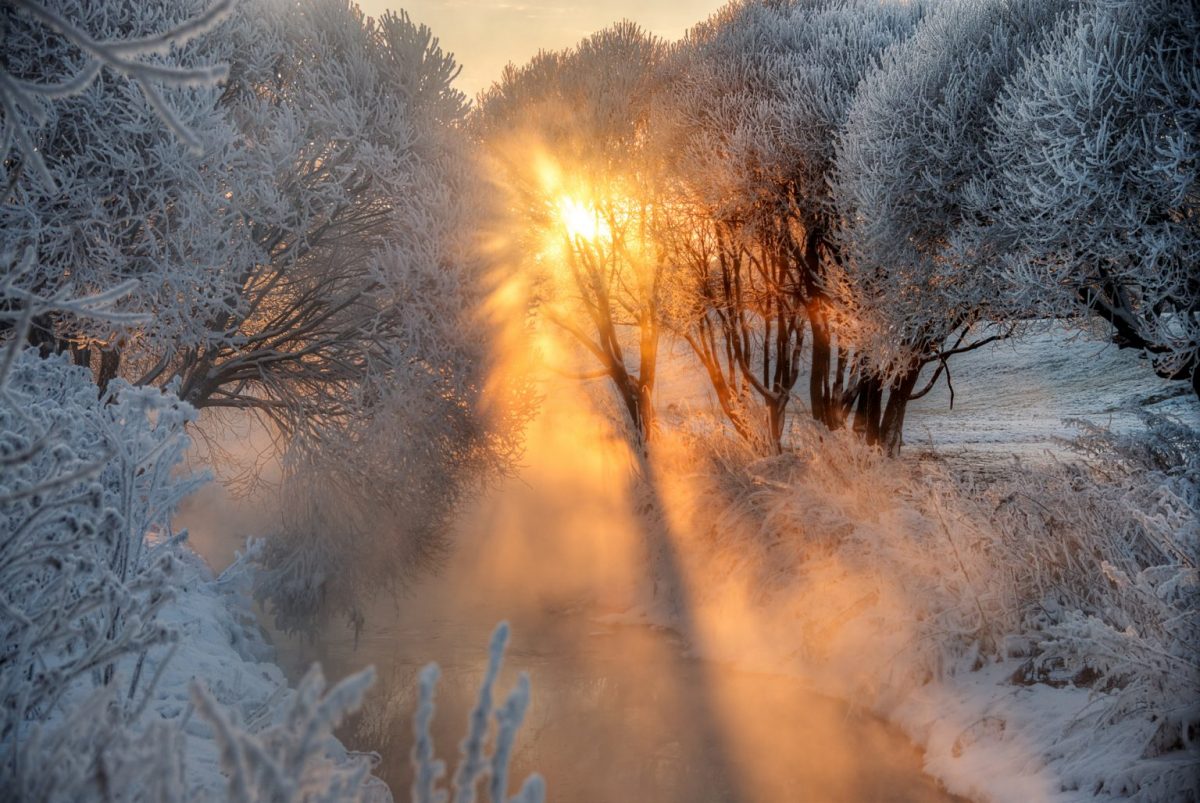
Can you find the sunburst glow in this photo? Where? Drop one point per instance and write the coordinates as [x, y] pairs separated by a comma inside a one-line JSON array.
[[581, 220]]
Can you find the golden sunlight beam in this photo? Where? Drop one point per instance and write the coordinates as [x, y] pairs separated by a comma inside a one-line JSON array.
[[581, 220]]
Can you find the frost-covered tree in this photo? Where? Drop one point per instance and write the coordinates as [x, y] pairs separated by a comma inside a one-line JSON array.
[[913, 283], [1095, 149], [285, 249], [734, 291], [87, 480], [756, 97], [361, 332], [98, 187], [351, 182], [567, 132], [309, 253]]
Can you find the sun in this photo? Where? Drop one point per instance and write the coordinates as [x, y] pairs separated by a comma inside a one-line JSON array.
[[581, 220]]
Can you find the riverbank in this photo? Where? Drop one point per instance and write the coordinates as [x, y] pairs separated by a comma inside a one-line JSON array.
[[1026, 613], [222, 647]]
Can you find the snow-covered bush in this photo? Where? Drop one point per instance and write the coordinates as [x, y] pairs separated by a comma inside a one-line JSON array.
[[87, 561], [287, 761], [86, 549], [1094, 146], [1116, 542]]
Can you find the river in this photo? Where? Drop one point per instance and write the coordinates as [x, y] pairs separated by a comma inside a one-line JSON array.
[[620, 712]]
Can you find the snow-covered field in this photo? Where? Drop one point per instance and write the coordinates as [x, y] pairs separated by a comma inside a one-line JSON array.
[[1015, 396], [1011, 397]]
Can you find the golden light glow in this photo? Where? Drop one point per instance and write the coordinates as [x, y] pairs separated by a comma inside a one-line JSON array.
[[581, 220]]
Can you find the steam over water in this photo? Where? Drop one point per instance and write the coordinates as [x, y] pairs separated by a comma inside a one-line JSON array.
[[620, 711]]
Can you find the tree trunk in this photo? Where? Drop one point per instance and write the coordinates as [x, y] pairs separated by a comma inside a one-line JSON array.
[[867, 413], [42, 336], [891, 428], [110, 364], [776, 417], [645, 405], [837, 402], [818, 382]]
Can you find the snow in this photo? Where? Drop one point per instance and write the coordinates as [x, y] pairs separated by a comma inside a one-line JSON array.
[[1015, 396], [222, 647], [855, 593]]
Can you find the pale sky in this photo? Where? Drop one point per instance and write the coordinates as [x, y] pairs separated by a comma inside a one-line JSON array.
[[484, 35]]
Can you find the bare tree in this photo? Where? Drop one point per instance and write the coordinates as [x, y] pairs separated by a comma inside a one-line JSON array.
[[568, 133]]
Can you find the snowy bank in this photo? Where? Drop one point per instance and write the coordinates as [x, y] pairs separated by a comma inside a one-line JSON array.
[[222, 647], [127, 671], [1034, 631], [217, 722]]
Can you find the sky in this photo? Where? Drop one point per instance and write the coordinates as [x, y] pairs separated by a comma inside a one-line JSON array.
[[485, 35]]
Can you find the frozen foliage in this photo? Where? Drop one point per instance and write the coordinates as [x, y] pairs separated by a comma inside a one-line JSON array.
[[1094, 148], [349, 182], [317, 261], [87, 550], [87, 556], [474, 766], [911, 154], [89, 567], [288, 761], [89, 476], [1070, 575], [25, 100], [240, 734], [109, 193]]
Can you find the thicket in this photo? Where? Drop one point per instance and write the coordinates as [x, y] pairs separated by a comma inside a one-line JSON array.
[[854, 193], [228, 207], [1079, 572]]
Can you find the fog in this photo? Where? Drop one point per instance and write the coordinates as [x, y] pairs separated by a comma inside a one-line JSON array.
[[588, 551]]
